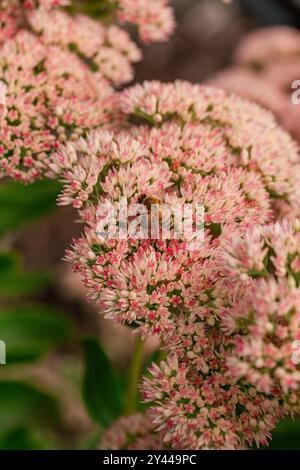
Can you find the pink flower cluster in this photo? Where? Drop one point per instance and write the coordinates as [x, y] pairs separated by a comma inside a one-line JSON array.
[[205, 409], [14, 14], [134, 432], [154, 19], [194, 144], [51, 96], [266, 64], [265, 323], [108, 50], [58, 71]]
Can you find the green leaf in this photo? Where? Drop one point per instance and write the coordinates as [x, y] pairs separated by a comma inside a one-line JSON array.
[[14, 281], [91, 443], [20, 204], [102, 385], [29, 332], [286, 435], [23, 405], [20, 438], [17, 439]]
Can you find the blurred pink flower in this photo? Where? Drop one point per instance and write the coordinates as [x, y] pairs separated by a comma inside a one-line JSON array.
[[58, 70], [266, 64], [133, 432], [155, 20], [51, 97]]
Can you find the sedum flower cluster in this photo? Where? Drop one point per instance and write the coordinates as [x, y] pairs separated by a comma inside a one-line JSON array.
[[154, 20], [59, 71], [226, 311], [133, 432], [266, 64], [50, 97], [265, 322]]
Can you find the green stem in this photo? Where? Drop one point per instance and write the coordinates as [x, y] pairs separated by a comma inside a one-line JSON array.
[[134, 377]]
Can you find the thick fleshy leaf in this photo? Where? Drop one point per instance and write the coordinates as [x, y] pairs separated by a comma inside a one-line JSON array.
[[22, 405], [286, 436], [29, 332], [22, 438], [20, 204], [14, 281], [102, 385]]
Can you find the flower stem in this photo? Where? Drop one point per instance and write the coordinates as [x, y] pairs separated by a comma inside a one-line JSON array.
[[134, 376]]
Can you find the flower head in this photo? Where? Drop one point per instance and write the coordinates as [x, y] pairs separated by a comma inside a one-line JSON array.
[[59, 69], [188, 144], [265, 67], [155, 20], [264, 326], [108, 50], [265, 322], [208, 411], [193, 154], [267, 45], [51, 96], [134, 432]]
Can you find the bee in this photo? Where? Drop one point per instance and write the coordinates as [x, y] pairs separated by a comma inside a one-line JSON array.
[[148, 202]]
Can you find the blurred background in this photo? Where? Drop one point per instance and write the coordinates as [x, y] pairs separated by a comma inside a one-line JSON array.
[[67, 367]]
